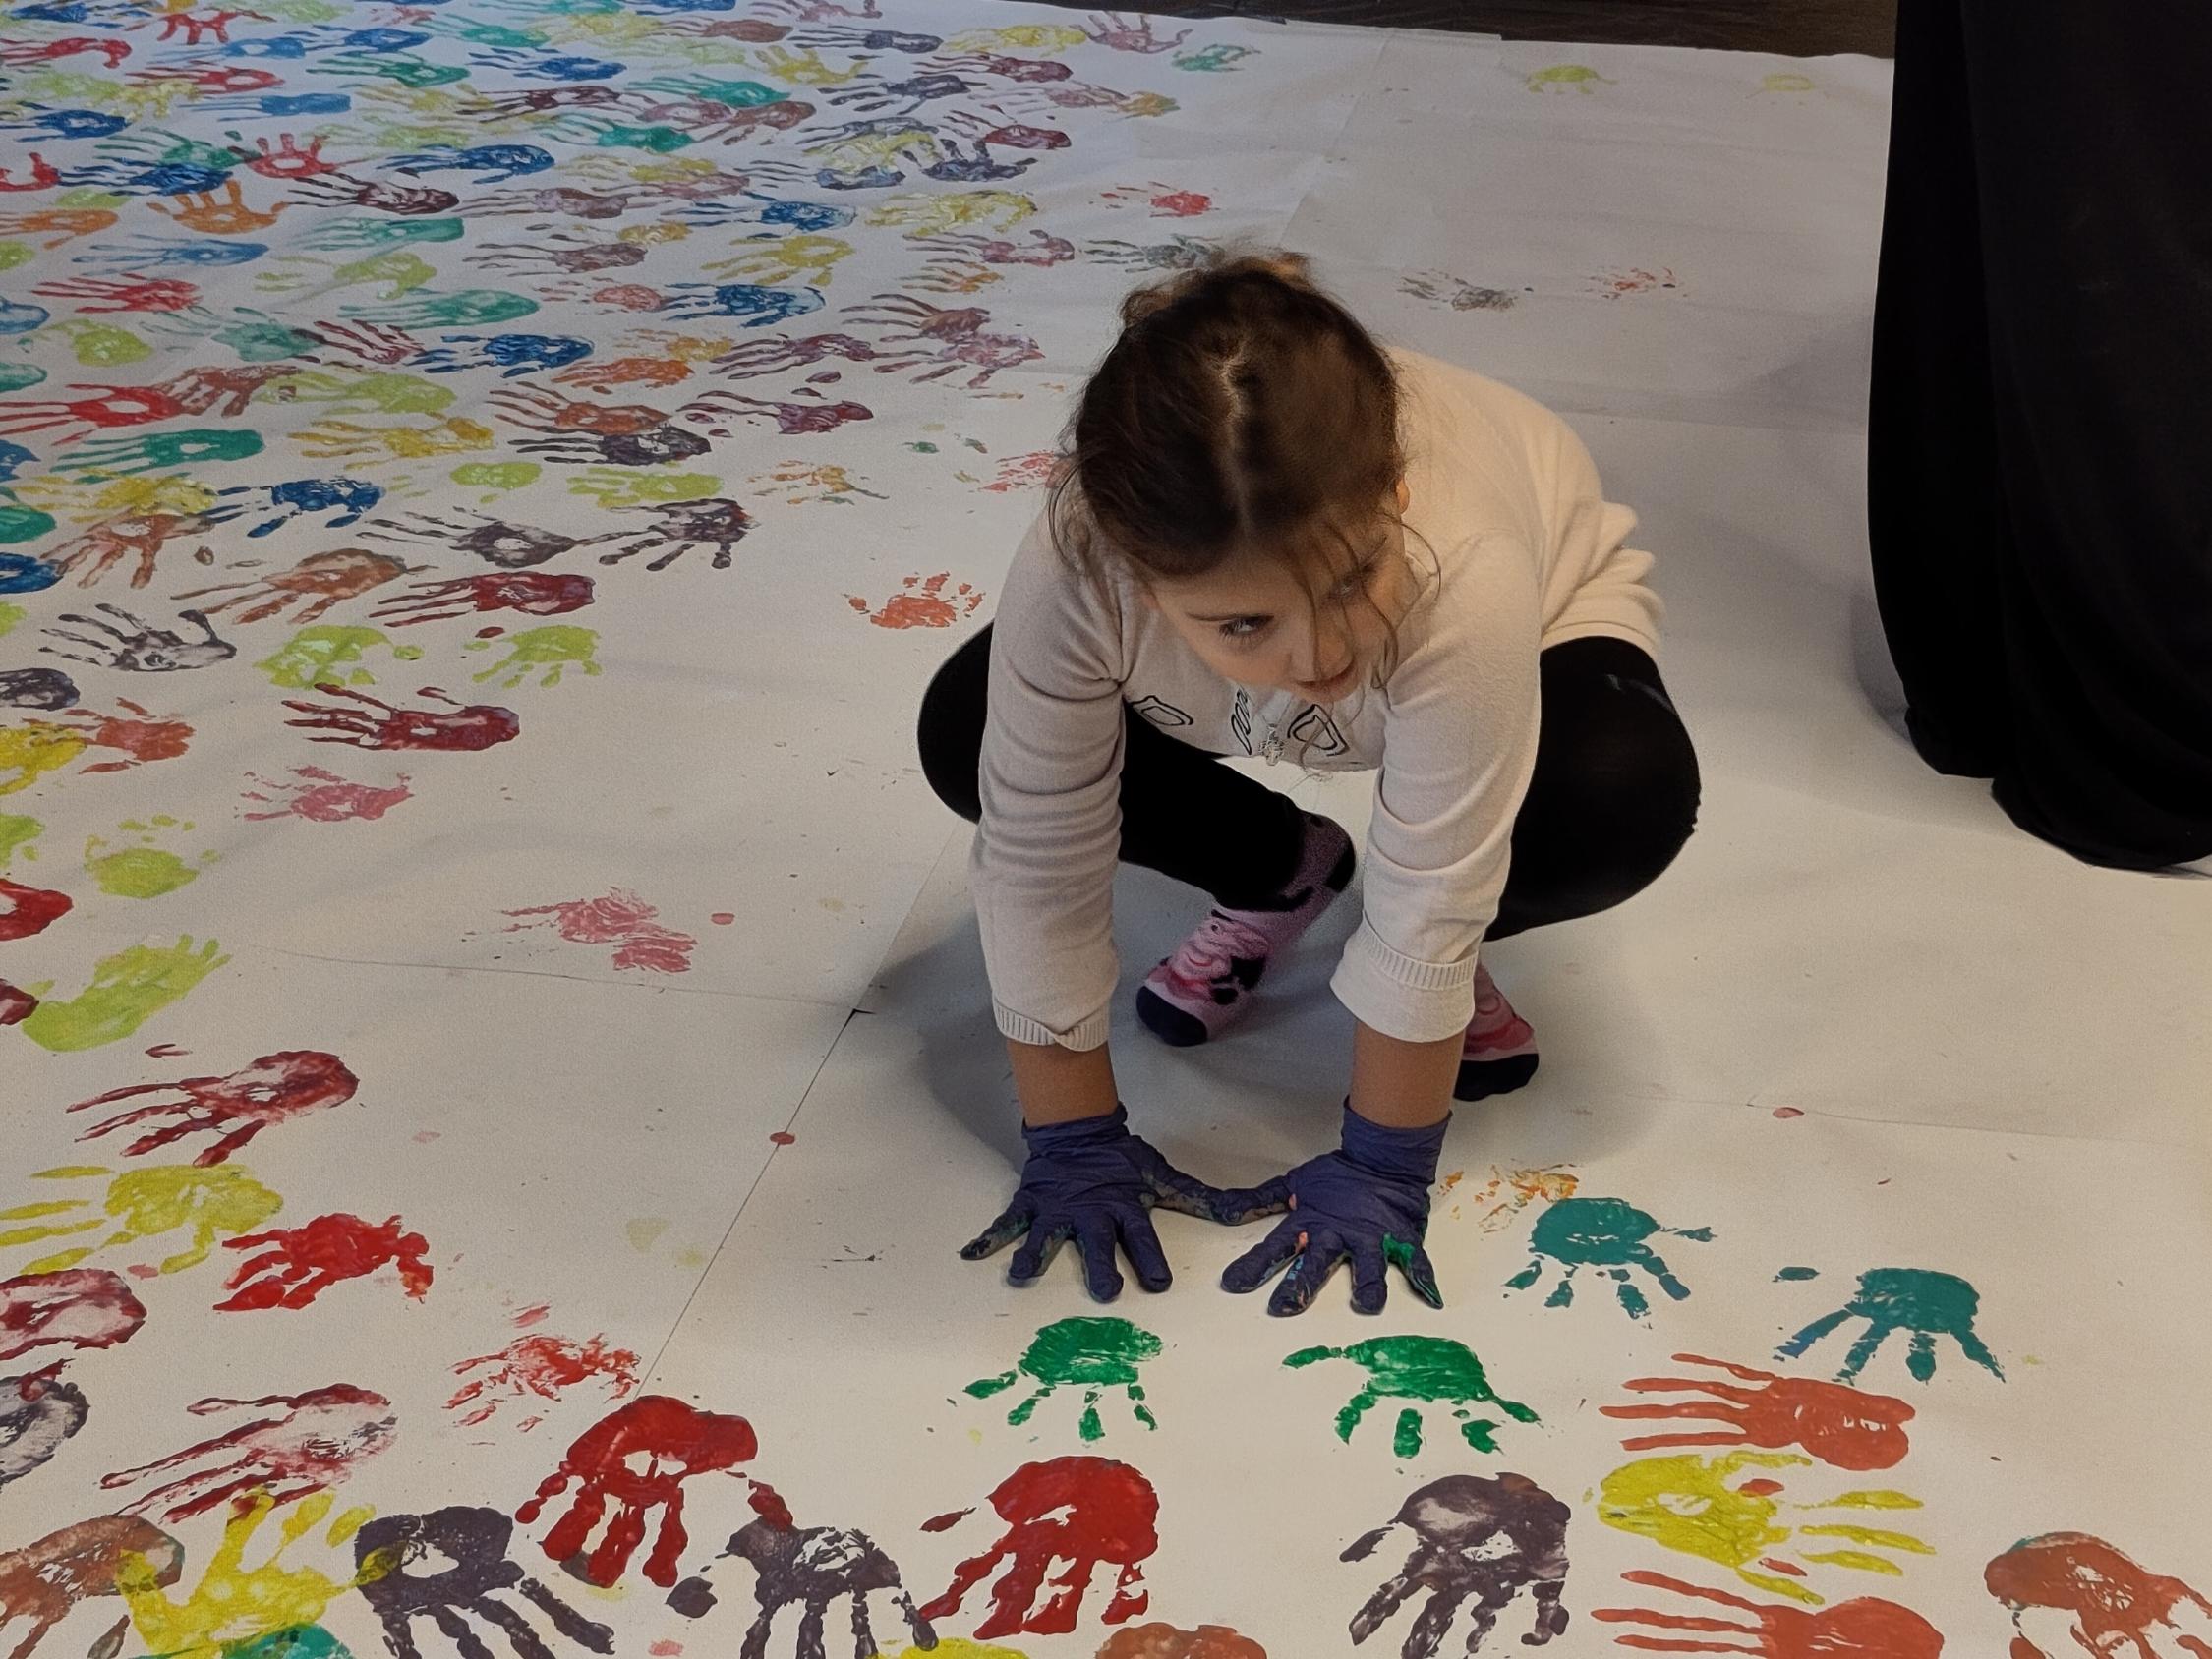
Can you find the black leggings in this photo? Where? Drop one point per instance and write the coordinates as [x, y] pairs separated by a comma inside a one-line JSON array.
[[1613, 797]]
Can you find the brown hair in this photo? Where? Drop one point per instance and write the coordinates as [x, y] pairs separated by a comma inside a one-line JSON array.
[[1242, 410]]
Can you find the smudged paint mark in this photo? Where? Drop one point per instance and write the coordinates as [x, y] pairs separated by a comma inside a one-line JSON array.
[[39, 1413], [1698, 1506], [534, 1314], [1789, 1275], [424, 1137], [1088, 1511], [126, 990], [666, 1650], [1475, 1539], [273, 1089], [1613, 284], [957, 1647], [1166, 1641], [19, 833], [1891, 1299], [233, 1605], [784, 1137], [1787, 83], [85, 1307], [1863, 1628], [15, 1003], [10, 615], [296, 1265], [495, 475], [544, 1367], [48, 689], [147, 1203], [469, 1572], [1843, 1427], [321, 796], [1610, 1235], [304, 1443], [146, 871], [45, 1581], [924, 603], [324, 654], [811, 1568], [621, 919], [1786, 1112], [26, 912], [1446, 288], [673, 1442], [166, 1051], [691, 1257], [1563, 77], [2115, 1604], [1032, 470], [722, 918], [1427, 1370], [1510, 1191], [643, 1230], [1091, 1354]]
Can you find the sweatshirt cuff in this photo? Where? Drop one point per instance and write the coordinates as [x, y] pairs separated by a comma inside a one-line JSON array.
[[1401, 995], [1085, 1034]]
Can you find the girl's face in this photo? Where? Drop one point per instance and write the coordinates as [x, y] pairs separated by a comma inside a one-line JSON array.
[[1315, 629]]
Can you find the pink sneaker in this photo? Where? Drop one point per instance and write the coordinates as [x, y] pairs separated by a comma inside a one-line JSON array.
[[1196, 993], [1500, 1054]]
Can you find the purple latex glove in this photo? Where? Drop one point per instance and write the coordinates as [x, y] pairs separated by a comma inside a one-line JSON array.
[[1093, 1181], [1366, 1203]]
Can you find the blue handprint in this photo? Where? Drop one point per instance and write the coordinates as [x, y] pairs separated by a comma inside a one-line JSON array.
[[492, 164], [348, 497], [1607, 1235], [759, 305], [511, 354], [1890, 1299]]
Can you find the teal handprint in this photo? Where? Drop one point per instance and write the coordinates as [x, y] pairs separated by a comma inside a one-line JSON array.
[[1604, 1234], [1093, 1354], [1432, 1370], [155, 451], [1891, 1299]]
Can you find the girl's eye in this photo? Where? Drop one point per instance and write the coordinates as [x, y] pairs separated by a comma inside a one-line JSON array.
[[1244, 628]]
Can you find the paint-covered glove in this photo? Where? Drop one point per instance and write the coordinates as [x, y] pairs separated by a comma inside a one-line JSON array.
[[1367, 1203], [1093, 1181]]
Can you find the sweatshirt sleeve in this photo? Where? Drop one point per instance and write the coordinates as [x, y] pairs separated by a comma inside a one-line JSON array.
[[1608, 592], [1459, 746], [1041, 871]]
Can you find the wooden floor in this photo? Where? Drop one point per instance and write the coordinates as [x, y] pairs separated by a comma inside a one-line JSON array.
[[1799, 28]]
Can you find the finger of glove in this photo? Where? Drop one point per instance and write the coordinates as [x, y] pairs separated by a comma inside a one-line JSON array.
[[1142, 1244], [1038, 1249], [1011, 1224], [1171, 1190], [1371, 1282], [1233, 1206], [1258, 1265], [1296, 1294], [1420, 1274], [1102, 1275]]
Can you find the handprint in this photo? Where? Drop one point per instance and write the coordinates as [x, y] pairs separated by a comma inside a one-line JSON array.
[[44, 1582], [716, 522], [310, 1443], [316, 584], [472, 1545], [532, 592], [1088, 1511], [2100, 1598], [621, 919], [44, 689], [39, 1412], [86, 1307], [811, 1568], [25, 911], [167, 1198], [510, 546], [673, 1442], [139, 647], [1607, 1235], [1427, 1370], [1863, 1628], [1093, 1354], [296, 1265], [469, 728], [321, 796], [290, 1084], [1689, 1504], [322, 655], [541, 1366], [1840, 1426], [1891, 1299], [923, 602], [1165, 1641], [545, 652], [1478, 1540], [233, 1605]]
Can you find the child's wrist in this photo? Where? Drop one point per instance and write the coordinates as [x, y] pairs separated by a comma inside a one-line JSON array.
[[1402, 1154]]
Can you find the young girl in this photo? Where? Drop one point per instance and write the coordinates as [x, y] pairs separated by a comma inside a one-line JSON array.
[[1270, 536]]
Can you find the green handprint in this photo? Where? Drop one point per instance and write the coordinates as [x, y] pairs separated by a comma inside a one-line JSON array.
[[127, 990], [1608, 1235], [614, 488], [318, 655], [146, 871], [18, 833], [1890, 1299], [1428, 1369], [464, 309], [339, 234], [1093, 1354], [102, 345], [367, 394], [155, 451], [545, 652]]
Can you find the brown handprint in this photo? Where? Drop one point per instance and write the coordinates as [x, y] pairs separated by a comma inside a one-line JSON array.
[[2103, 1600], [1863, 1628], [533, 593], [316, 584], [1840, 1426], [237, 1107], [469, 728], [310, 1443], [45, 1581]]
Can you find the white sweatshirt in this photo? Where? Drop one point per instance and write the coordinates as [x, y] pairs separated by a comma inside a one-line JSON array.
[[1532, 555]]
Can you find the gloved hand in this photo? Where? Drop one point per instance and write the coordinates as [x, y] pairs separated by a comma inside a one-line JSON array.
[[1366, 1202], [1093, 1181]]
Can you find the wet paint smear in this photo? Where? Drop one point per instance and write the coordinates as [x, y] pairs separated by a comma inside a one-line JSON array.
[[1426, 1370], [1475, 1539], [1087, 1511], [1091, 1354]]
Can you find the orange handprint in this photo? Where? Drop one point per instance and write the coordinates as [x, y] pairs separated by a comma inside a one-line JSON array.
[[1865, 1627], [923, 603], [1840, 1426], [224, 215]]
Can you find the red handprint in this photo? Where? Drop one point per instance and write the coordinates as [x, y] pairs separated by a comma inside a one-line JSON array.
[[320, 580], [1088, 1511], [48, 51], [143, 739], [44, 175], [543, 1366], [1863, 1628], [24, 911], [321, 796], [195, 24], [298, 1264], [86, 1307], [2115, 1605], [287, 160], [288, 1084], [113, 406], [311, 1443], [533, 593], [1840, 1426], [620, 919], [470, 727], [132, 293], [673, 1442], [215, 77]]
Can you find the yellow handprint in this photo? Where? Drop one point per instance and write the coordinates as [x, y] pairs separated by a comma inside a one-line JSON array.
[[633, 487], [803, 69], [802, 258], [923, 214], [223, 1199], [234, 1604], [454, 435]]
